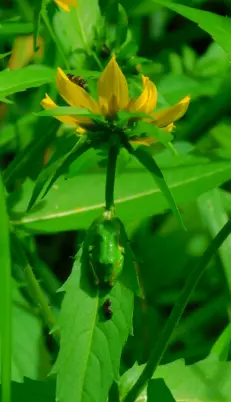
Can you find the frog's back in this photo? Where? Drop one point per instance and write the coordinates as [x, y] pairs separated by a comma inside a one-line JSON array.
[[108, 243]]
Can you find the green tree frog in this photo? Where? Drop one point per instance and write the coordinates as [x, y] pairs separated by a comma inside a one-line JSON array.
[[106, 254]]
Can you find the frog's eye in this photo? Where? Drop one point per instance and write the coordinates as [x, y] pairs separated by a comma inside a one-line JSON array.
[[91, 248]]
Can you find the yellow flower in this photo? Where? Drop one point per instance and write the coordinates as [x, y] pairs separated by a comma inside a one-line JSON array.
[[113, 96], [65, 4]]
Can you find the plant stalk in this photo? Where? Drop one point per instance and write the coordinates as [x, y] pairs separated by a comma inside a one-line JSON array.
[[113, 152], [34, 288], [175, 316], [55, 39], [5, 300]]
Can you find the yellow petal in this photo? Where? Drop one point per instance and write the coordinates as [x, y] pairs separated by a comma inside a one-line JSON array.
[[165, 117], [47, 103], [169, 128], [112, 86], [64, 4], [103, 106], [146, 102], [147, 141], [73, 94]]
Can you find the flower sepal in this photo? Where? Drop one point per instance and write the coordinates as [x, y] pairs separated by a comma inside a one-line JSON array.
[[147, 134], [72, 111]]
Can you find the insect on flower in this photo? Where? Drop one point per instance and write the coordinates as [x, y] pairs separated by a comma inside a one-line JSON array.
[[78, 80], [113, 97], [107, 309]]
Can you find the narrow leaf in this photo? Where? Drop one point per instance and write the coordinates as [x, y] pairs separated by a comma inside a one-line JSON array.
[[37, 17], [5, 299], [24, 160], [54, 169], [121, 26], [2, 56], [215, 217], [15, 28], [143, 155]]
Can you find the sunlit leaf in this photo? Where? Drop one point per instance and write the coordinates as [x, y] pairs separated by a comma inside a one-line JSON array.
[[203, 381], [12, 81], [217, 26], [91, 345], [72, 203]]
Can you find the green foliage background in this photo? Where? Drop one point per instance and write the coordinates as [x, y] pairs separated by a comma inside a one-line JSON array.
[[51, 319]]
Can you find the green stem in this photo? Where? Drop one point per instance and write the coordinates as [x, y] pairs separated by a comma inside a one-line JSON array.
[[111, 171], [55, 39], [34, 288], [97, 60], [40, 298], [25, 9], [5, 299], [84, 40], [175, 316]]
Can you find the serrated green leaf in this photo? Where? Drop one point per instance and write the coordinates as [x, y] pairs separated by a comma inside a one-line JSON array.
[[91, 346], [204, 381], [136, 195], [54, 169], [12, 81], [143, 155], [217, 26]]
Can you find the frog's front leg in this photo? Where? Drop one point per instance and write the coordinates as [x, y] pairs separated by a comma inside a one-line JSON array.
[[96, 279]]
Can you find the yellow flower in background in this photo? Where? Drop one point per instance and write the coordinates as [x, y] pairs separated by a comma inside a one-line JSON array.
[[65, 4], [112, 97]]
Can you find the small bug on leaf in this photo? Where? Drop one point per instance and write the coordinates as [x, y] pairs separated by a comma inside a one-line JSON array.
[[78, 80], [108, 313]]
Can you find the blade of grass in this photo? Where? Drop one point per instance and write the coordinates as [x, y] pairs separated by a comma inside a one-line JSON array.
[[34, 287], [5, 299], [55, 39], [175, 316], [222, 344], [147, 160], [214, 215]]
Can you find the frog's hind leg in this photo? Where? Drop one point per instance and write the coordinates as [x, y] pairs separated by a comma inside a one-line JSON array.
[[96, 279]]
